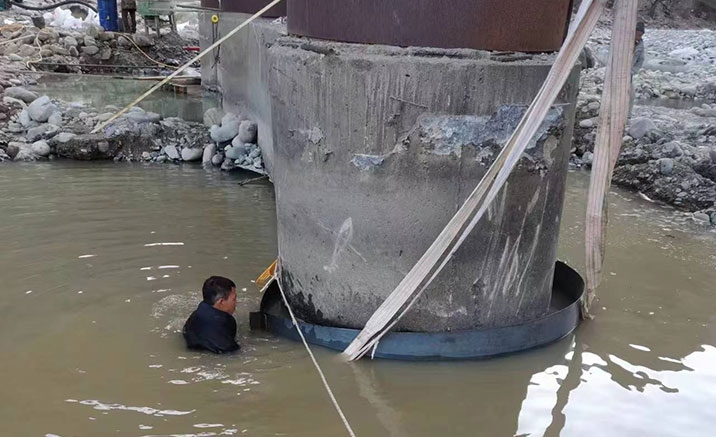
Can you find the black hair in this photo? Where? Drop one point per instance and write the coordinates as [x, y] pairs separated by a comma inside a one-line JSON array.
[[640, 27], [215, 288]]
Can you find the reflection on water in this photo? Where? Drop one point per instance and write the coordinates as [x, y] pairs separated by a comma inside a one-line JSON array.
[[103, 263], [93, 92]]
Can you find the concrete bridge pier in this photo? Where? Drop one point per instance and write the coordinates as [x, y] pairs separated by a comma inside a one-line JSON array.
[[374, 150]]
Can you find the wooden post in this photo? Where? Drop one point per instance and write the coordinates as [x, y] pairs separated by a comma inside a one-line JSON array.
[[612, 120]]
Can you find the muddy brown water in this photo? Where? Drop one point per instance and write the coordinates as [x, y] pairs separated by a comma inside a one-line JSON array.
[[101, 264]]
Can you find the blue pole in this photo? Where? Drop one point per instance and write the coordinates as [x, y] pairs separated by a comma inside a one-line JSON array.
[[107, 10]]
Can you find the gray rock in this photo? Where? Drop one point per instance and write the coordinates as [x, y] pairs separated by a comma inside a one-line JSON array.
[[104, 117], [41, 148], [21, 93], [44, 35], [162, 158], [171, 152], [213, 116], [258, 163], [36, 133], [70, 42], [64, 137], [111, 108], [247, 131], [94, 31], [230, 118], [228, 164], [25, 154], [232, 152], [143, 40], [10, 101], [236, 143], [146, 156], [588, 123], [713, 218], [57, 50], [90, 42], [41, 109], [73, 52], [191, 154], [103, 146], [209, 152], [224, 133], [24, 118], [55, 118], [16, 58], [255, 153], [640, 127], [588, 158], [712, 155], [143, 117], [12, 150], [15, 128], [702, 217], [666, 166], [107, 36], [90, 50], [27, 50], [136, 109], [124, 42], [217, 159], [105, 54], [4, 156], [672, 149]]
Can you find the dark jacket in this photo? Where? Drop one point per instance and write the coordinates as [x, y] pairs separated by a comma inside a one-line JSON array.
[[211, 329], [128, 5]]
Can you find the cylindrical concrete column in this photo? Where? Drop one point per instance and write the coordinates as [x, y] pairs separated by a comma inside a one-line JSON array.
[[375, 150]]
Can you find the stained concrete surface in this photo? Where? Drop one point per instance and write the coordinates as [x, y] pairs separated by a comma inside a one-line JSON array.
[[375, 148]]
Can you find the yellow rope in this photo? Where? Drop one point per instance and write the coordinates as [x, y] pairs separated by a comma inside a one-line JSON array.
[[187, 65], [315, 363], [145, 54], [39, 46]]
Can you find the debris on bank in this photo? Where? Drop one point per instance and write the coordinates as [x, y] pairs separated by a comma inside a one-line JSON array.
[[34, 127], [87, 48], [669, 148]]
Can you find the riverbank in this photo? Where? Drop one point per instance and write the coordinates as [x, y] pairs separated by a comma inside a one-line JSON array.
[[35, 127], [669, 149]]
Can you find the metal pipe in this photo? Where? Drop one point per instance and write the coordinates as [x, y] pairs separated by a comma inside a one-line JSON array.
[[52, 6]]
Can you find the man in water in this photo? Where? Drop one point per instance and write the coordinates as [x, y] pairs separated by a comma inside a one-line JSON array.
[[212, 326], [638, 59]]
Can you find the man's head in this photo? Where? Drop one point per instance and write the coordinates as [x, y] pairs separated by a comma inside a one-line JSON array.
[[640, 29], [220, 293]]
